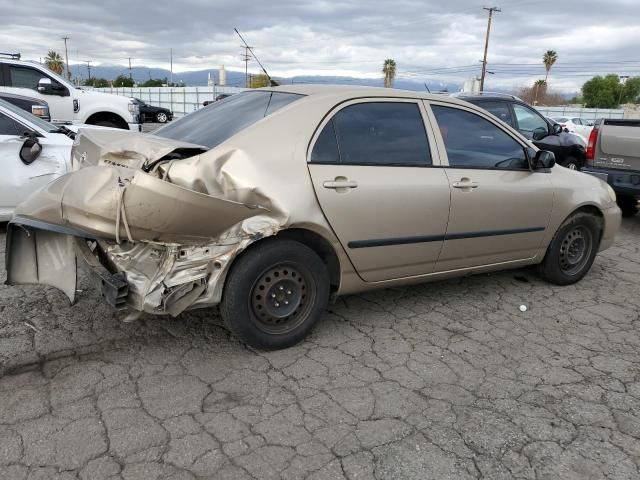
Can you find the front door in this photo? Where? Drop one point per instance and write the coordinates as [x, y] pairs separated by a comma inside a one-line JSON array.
[[24, 81], [500, 208], [372, 168]]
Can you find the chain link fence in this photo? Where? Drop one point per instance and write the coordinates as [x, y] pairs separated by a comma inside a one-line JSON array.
[[572, 111]]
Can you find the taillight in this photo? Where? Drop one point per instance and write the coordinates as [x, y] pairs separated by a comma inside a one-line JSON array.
[[591, 145]]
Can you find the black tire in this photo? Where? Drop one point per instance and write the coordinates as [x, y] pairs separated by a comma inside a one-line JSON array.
[[161, 117], [572, 250], [572, 163], [628, 205], [275, 293]]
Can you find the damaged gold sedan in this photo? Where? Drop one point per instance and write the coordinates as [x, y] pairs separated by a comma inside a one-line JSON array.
[[273, 201]]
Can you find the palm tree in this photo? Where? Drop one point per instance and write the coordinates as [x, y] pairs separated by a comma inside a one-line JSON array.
[[54, 62], [389, 70], [549, 58], [539, 85]]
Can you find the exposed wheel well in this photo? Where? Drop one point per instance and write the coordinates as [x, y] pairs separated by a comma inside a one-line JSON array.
[[315, 242], [108, 117]]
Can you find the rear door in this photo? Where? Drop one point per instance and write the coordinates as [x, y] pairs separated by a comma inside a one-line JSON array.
[[377, 178], [500, 208]]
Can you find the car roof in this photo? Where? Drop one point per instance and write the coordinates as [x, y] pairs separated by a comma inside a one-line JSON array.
[[356, 91]]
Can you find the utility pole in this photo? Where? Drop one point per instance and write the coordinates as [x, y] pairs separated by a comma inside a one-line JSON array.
[[246, 56], [89, 68], [130, 77], [486, 44], [66, 56], [171, 70]]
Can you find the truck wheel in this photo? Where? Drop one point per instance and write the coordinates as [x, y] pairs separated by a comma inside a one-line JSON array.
[[275, 293], [106, 123], [161, 117], [572, 163], [628, 204], [572, 250]]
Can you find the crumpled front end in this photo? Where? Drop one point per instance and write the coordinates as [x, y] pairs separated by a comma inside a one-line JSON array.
[[155, 244]]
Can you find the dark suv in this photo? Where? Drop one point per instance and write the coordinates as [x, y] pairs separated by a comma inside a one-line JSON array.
[[532, 124]]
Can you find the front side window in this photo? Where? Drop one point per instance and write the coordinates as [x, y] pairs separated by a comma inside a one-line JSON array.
[[223, 119], [24, 77], [528, 120], [474, 142], [375, 133], [7, 126], [498, 109]]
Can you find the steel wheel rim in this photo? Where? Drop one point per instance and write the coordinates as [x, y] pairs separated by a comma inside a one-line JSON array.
[[162, 117], [575, 250], [281, 298], [572, 166]]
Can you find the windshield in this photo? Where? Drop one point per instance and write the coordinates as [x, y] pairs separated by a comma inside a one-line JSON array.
[[219, 121], [30, 118]]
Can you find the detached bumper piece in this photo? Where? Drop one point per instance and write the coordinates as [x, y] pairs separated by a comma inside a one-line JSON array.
[[114, 286]]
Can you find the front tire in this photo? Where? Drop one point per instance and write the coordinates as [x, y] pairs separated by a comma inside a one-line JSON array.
[[572, 163], [161, 117], [572, 250], [275, 293], [106, 123]]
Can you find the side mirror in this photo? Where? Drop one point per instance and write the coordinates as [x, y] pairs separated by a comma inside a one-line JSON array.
[[30, 150], [539, 133], [47, 87], [544, 160], [557, 129]]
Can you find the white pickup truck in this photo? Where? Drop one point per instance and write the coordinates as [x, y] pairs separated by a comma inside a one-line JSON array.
[[67, 103]]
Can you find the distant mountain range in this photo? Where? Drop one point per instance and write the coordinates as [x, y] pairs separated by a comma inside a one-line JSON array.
[[235, 78]]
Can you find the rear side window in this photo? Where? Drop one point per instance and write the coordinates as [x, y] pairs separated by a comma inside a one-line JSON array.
[[498, 109], [474, 142], [375, 133]]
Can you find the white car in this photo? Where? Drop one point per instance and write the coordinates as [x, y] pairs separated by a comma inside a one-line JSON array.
[[576, 125], [67, 103], [32, 153]]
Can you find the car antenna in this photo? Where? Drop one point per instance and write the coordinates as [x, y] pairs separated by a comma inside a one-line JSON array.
[[272, 83], [425, 86]]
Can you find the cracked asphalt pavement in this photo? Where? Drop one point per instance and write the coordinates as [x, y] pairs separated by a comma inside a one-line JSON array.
[[439, 381]]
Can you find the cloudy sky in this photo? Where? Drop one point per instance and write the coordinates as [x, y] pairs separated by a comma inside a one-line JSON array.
[[429, 39]]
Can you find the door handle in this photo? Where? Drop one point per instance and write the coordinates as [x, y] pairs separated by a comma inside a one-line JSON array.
[[464, 183], [340, 183]]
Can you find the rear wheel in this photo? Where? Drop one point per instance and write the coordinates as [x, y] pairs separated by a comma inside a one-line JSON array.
[[275, 293], [628, 205], [572, 163], [572, 250]]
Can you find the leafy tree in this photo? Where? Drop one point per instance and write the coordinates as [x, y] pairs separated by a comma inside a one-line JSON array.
[[96, 82], [610, 92], [54, 62], [258, 81], [154, 82], [389, 70], [123, 81], [549, 58]]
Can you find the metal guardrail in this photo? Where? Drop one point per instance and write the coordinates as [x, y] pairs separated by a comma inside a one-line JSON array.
[[180, 100]]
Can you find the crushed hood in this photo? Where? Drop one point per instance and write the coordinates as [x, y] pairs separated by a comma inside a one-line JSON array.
[[124, 148]]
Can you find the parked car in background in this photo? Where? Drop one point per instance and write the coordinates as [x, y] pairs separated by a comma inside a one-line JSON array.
[[149, 113], [210, 210], [578, 138], [36, 107], [32, 153], [613, 154], [222, 96], [575, 125], [569, 152], [67, 104]]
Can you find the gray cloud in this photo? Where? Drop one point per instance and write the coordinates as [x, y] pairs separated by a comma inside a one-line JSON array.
[[427, 38]]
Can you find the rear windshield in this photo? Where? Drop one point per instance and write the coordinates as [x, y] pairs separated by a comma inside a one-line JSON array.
[[219, 121]]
